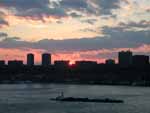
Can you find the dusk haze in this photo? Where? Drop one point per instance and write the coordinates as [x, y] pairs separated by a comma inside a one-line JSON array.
[[74, 56], [73, 29]]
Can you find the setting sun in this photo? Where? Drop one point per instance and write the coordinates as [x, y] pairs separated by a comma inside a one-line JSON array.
[[71, 63]]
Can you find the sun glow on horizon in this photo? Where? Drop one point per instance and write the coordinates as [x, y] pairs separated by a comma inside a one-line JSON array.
[[71, 63]]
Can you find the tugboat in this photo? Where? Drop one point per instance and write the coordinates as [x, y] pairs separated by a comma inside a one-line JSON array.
[[73, 99]]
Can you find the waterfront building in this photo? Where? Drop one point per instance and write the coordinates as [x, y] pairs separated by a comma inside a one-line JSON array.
[[46, 59], [125, 58], [61, 63], [110, 61], [140, 60], [30, 59], [15, 63], [85, 64]]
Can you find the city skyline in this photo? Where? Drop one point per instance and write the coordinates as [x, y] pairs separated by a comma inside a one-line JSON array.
[[124, 58], [73, 29], [80, 52]]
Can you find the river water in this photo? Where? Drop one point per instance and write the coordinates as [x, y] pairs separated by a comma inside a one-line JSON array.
[[34, 98]]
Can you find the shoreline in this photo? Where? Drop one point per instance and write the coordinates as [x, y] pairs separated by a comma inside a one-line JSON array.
[[73, 83]]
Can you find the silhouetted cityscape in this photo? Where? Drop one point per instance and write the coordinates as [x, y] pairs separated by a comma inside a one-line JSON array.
[[125, 59], [130, 70]]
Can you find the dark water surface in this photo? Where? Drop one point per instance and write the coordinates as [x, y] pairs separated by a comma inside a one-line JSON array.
[[34, 98]]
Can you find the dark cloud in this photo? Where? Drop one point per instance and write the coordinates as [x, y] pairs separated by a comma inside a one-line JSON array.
[[105, 7], [3, 23], [126, 39], [9, 39], [3, 35], [75, 15], [14, 42], [88, 30], [38, 9], [33, 9], [89, 21], [114, 38], [142, 24], [59, 22], [24, 4], [148, 10], [74, 4], [39, 14], [82, 6], [107, 17]]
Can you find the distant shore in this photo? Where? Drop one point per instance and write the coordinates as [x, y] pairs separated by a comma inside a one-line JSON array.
[[99, 75], [142, 84]]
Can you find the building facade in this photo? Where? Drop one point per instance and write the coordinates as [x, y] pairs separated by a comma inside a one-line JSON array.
[[110, 61], [85, 64], [61, 63], [140, 60], [125, 58], [30, 59], [15, 63], [46, 59]]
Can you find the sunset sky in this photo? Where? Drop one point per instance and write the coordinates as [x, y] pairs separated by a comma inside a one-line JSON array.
[[73, 29]]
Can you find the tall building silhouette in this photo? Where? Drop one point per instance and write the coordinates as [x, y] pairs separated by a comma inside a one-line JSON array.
[[125, 58], [46, 59], [140, 60], [30, 59]]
